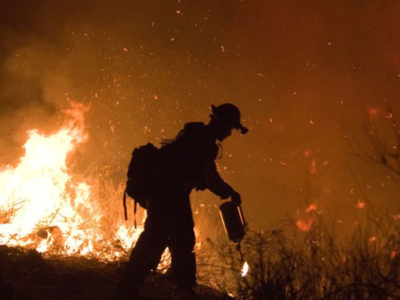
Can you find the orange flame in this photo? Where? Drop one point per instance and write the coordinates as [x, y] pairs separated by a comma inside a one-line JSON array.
[[42, 205], [245, 269], [360, 204], [306, 225], [311, 207]]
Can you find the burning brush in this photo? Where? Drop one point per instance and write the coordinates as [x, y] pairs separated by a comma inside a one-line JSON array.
[[43, 206]]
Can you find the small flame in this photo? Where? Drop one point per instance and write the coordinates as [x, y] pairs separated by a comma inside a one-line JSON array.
[[305, 225], [245, 269], [360, 204], [311, 207]]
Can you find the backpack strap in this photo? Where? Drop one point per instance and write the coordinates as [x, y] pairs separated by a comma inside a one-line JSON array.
[[134, 212], [124, 203], [125, 210]]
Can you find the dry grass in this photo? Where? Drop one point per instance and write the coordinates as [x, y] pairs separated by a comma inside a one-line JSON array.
[[288, 264]]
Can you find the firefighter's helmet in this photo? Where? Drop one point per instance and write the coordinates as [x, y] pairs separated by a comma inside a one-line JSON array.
[[228, 114]]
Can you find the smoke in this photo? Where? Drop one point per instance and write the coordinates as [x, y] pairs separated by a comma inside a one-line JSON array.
[[143, 67], [30, 84], [52, 53]]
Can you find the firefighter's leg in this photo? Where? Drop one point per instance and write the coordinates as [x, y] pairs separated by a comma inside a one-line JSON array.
[[181, 245], [151, 242]]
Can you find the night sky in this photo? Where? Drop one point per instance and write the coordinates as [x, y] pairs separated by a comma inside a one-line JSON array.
[[305, 74]]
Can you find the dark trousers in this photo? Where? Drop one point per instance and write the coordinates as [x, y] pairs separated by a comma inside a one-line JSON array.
[[169, 223]]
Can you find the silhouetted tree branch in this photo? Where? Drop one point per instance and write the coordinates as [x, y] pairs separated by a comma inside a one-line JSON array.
[[379, 143]]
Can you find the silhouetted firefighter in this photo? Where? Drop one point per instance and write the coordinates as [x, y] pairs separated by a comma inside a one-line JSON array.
[[161, 180]]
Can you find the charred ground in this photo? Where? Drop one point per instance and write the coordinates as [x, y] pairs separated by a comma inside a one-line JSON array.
[[27, 275]]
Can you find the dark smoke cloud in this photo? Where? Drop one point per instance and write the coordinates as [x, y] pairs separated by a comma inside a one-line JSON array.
[[31, 84]]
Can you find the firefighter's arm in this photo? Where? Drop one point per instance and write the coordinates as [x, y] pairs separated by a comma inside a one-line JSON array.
[[218, 186]]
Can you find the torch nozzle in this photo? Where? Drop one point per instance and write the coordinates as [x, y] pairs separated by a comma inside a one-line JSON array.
[[239, 249]]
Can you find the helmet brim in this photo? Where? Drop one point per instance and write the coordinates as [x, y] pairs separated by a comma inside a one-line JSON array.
[[243, 130]]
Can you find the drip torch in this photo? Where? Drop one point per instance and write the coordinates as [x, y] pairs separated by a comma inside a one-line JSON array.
[[234, 224]]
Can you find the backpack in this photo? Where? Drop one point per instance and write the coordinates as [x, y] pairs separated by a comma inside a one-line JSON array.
[[142, 175], [153, 168]]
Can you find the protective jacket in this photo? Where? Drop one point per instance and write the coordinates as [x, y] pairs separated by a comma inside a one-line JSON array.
[[190, 159]]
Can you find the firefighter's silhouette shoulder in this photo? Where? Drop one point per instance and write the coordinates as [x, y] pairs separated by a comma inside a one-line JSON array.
[[180, 165]]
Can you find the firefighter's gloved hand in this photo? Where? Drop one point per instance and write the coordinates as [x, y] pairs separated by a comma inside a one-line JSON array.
[[235, 198]]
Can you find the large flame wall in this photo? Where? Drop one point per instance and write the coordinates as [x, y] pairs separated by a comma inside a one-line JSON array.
[[44, 206]]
